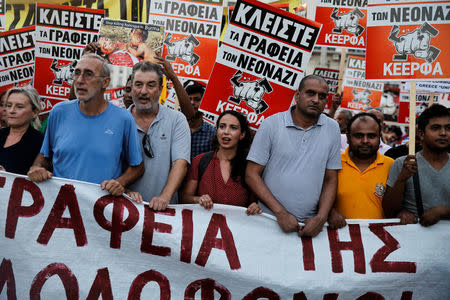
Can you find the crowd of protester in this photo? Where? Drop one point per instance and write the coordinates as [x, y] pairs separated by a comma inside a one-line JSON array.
[[302, 166]]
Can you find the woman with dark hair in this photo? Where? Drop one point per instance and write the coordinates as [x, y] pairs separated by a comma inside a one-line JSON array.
[[220, 177], [20, 142]]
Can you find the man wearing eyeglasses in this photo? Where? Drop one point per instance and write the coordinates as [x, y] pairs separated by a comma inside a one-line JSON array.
[[164, 135], [293, 161], [90, 139]]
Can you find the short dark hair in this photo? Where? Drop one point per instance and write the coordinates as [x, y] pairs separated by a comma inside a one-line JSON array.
[[193, 87], [363, 115], [396, 130], [129, 79], [144, 33], [311, 76], [434, 111], [146, 66]]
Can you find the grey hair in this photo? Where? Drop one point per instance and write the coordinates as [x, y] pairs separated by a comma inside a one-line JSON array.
[[33, 97], [347, 114], [148, 67], [106, 72]]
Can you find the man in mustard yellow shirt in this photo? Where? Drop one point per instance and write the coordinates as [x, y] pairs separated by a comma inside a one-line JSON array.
[[362, 179]]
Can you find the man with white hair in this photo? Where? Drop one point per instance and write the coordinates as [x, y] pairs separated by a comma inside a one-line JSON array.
[[90, 139]]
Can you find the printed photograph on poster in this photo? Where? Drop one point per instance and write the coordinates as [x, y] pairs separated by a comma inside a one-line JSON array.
[[422, 102], [260, 64], [17, 57], [192, 34], [344, 23], [62, 33], [125, 43], [359, 93], [414, 39]]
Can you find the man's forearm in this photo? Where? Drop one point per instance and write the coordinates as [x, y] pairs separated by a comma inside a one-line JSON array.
[[445, 212], [183, 99], [328, 194], [131, 174], [392, 199], [262, 192], [42, 161], [176, 176]]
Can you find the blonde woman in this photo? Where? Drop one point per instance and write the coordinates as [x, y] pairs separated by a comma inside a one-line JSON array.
[[20, 142]]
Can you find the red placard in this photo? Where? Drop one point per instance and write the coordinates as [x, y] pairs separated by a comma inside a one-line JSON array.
[[62, 32], [344, 23], [358, 93], [408, 40], [16, 57], [261, 62]]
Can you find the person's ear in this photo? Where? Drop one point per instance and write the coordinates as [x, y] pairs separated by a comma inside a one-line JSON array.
[[420, 134], [106, 82], [242, 136], [297, 96]]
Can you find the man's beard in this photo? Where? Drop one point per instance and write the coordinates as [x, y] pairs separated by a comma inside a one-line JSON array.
[[363, 155], [148, 108]]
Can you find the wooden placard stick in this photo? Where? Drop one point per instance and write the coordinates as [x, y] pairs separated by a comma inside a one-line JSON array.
[[341, 70], [412, 119], [431, 101]]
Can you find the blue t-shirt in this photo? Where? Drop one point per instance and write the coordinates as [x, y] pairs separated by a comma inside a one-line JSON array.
[[90, 148]]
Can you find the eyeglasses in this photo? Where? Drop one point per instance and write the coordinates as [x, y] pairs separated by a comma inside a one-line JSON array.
[[147, 146], [87, 75]]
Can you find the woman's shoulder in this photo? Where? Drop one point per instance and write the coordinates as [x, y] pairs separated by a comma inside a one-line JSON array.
[[210, 154], [4, 130], [35, 135]]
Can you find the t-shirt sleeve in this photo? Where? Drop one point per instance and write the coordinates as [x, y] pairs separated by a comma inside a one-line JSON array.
[[132, 148], [261, 145], [193, 169], [181, 142], [394, 171], [46, 148], [334, 157]]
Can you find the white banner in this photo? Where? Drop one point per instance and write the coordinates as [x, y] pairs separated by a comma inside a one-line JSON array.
[[431, 86], [66, 239]]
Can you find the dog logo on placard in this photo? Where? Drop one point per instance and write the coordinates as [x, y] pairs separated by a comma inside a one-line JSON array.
[[415, 43], [63, 73], [348, 21], [362, 96], [184, 49], [252, 92]]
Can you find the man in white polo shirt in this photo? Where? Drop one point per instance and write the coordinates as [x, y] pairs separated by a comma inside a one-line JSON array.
[[294, 159]]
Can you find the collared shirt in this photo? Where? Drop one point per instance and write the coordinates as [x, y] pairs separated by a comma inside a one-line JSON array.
[[201, 139], [360, 194], [170, 140], [295, 160]]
